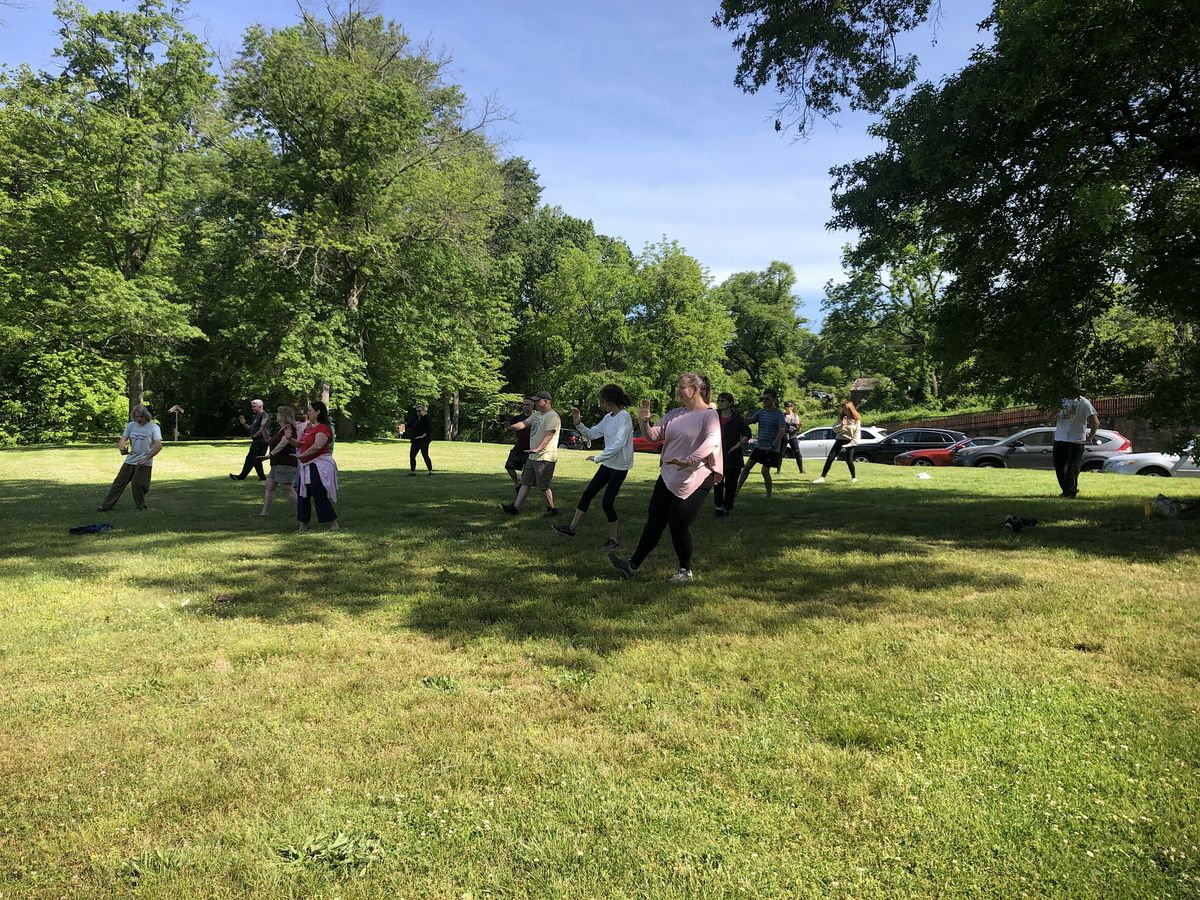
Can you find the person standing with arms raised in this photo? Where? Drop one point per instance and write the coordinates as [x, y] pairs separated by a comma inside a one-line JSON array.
[[260, 435], [544, 426], [420, 431], [772, 427], [847, 431], [615, 461], [691, 464]]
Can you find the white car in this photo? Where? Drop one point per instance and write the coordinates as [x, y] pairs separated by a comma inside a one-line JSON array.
[[1160, 464], [815, 443]]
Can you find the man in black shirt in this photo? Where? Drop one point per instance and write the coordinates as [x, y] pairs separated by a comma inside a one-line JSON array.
[[519, 454], [259, 434]]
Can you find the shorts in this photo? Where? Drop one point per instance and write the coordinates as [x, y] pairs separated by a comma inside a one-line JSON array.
[[283, 474], [516, 460], [767, 457], [539, 473]]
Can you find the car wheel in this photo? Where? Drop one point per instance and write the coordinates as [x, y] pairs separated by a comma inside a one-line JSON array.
[[922, 462], [1093, 466], [862, 459], [1155, 471], [989, 463]]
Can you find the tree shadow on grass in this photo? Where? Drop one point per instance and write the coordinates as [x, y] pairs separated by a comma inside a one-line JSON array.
[[437, 555]]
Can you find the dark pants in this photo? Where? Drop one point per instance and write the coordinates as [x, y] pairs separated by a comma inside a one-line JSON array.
[[725, 492], [258, 449], [838, 445], [609, 479], [668, 511], [1068, 457], [318, 495], [794, 443], [139, 476], [422, 447]]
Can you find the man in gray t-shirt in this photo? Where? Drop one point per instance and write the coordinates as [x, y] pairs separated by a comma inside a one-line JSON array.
[[1075, 417], [140, 442]]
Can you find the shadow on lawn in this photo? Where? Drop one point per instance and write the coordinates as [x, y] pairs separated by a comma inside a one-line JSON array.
[[478, 573]]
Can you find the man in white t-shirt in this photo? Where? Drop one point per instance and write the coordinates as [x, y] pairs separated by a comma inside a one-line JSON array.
[[140, 443], [1075, 428]]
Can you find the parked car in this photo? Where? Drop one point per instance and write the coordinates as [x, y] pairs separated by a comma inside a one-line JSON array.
[[905, 440], [942, 456], [1033, 449], [1164, 465], [644, 445], [815, 442], [570, 439]]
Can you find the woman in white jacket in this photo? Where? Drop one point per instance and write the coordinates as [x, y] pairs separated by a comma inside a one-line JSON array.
[[846, 434], [614, 461]]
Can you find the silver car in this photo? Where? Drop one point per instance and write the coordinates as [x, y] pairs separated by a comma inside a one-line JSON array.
[[1164, 465], [1033, 449]]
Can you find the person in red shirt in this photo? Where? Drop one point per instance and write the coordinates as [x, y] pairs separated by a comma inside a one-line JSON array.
[[318, 471]]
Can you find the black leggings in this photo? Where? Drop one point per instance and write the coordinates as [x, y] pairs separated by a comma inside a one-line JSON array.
[[833, 454], [725, 491], [794, 443], [609, 479], [422, 445], [668, 511]]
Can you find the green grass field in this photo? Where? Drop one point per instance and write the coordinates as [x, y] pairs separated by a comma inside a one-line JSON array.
[[870, 690]]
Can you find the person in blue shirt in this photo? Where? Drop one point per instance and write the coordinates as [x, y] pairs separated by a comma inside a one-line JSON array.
[[140, 442], [768, 450]]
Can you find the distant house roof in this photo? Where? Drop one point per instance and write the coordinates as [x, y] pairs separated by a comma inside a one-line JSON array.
[[864, 384]]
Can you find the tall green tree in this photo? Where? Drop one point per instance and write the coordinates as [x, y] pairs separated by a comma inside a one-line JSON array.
[[1054, 205], [108, 166], [377, 169], [768, 335], [681, 324], [881, 320]]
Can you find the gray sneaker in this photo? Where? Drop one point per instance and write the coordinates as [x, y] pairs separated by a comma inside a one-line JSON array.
[[683, 576], [622, 565]]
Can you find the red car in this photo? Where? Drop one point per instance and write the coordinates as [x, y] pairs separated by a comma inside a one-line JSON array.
[[642, 445], [942, 456]]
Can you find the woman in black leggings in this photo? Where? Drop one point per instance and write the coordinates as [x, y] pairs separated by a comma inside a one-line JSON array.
[[614, 462], [691, 463], [420, 434], [734, 433], [846, 433]]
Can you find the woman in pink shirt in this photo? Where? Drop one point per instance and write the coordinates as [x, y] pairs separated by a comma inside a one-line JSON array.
[[691, 465]]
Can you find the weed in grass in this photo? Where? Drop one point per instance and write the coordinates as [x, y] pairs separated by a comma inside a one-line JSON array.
[[345, 853], [132, 869], [440, 682]]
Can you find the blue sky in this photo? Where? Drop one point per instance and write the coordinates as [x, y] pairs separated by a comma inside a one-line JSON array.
[[627, 110]]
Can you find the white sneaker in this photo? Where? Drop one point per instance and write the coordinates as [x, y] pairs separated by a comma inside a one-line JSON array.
[[854, 481], [683, 576], [820, 480]]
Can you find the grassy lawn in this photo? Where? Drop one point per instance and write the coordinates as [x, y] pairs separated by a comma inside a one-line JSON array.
[[870, 690]]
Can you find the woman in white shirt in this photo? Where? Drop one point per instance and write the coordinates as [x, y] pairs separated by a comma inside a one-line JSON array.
[[614, 461]]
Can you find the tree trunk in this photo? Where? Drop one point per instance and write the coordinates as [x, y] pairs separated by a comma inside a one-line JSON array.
[[450, 413], [136, 383], [323, 392], [933, 383]]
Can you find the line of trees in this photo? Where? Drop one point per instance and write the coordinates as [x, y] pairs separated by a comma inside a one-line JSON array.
[[328, 215]]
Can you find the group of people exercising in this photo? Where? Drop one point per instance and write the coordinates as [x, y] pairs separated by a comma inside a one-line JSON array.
[[701, 451]]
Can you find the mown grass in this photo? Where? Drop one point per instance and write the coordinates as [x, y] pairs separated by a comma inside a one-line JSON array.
[[871, 690]]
